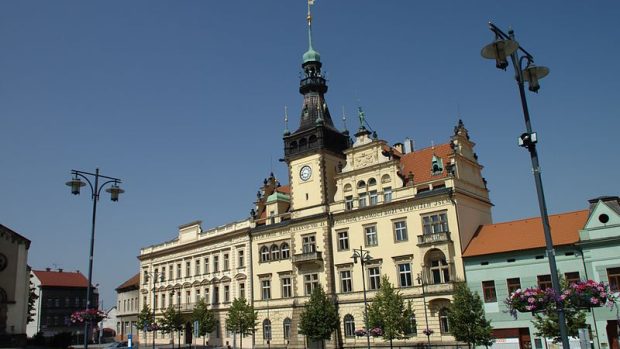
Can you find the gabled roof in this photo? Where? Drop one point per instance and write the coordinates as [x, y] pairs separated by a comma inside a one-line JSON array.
[[61, 278], [526, 234], [419, 163], [132, 283]]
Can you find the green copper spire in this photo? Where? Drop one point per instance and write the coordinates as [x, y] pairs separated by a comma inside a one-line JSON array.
[[311, 55]]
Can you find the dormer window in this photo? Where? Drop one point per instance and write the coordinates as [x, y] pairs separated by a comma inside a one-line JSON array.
[[436, 165]]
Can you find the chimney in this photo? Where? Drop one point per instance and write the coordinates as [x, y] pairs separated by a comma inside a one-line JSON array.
[[60, 270], [408, 147], [399, 147], [48, 269]]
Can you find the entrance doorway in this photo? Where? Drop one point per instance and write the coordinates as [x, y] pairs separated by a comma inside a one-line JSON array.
[[612, 334]]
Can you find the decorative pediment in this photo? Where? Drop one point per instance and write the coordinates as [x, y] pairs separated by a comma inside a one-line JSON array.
[[225, 279], [240, 276]]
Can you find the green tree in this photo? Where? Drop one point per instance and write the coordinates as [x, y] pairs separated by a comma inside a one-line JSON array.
[[411, 327], [546, 323], [172, 320], [241, 318], [387, 312], [145, 318], [205, 317], [319, 319], [466, 318], [32, 298]]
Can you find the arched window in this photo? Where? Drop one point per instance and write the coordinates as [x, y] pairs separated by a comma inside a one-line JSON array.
[[275, 252], [372, 182], [349, 326], [443, 321], [293, 145], [312, 140], [348, 187], [267, 329], [385, 179], [285, 251], [302, 143], [287, 328], [264, 254], [439, 270], [361, 185]]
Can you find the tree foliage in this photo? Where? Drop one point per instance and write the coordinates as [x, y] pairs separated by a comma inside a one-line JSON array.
[[205, 317], [172, 320], [387, 312], [145, 318], [32, 298], [411, 327], [319, 319], [466, 318], [241, 318]]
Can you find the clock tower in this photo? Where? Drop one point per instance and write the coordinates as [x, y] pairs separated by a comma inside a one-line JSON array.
[[314, 152]]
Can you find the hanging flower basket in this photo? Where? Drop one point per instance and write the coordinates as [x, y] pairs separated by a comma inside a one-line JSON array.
[[376, 332], [90, 315], [588, 294], [360, 333], [153, 327], [531, 299], [428, 331]]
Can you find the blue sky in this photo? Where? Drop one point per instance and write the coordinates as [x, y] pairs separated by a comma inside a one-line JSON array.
[[184, 101]]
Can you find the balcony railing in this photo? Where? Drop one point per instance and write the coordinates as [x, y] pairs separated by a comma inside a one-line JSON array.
[[439, 288], [434, 238], [308, 257]]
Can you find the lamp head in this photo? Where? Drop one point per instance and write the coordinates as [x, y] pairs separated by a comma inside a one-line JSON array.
[[499, 50], [75, 185], [354, 256], [114, 191], [532, 73]]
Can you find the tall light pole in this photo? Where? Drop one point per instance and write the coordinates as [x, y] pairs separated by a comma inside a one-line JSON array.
[[427, 332], [76, 183], [505, 45], [364, 257]]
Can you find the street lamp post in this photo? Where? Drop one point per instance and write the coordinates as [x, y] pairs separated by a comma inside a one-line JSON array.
[[505, 45], [421, 282], [179, 309], [364, 257], [76, 183]]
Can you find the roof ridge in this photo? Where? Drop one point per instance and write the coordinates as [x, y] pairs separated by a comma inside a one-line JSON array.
[[536, 217]]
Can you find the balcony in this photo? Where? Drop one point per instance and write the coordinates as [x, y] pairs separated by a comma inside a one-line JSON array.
[[428, 239], [442, 288], [315, 257]]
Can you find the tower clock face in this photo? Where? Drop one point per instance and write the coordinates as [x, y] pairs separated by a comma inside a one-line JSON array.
[[305, 173]]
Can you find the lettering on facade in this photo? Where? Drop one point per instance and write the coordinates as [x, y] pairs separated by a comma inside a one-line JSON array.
[[395, 211], [308, 226]]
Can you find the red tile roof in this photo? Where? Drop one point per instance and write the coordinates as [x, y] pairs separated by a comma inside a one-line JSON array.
[[133, 282], [61, 278], [526, 234], [284, 189], [419, 163]]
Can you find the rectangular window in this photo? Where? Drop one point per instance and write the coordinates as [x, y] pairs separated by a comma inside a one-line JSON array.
[[343, 240], [266, 289], [145, 277], [197, 298], [163, 274], [178, 270], [216, 264], [373, 197], [513, 284], [572, 277], [387, 194], [226, 261], [348, 203], [188, 269], [544, 281], [287, 287], [488, 290], [371, 235], [404, 273], [435, 223], [155, 301], [613, 276], [242, 290], [287, 329], [345, 281], [309, 244], [207, 299], [310, 282], [241, 261], [163, 301], [197, 265], [216, 294], [374, 278], [362, 200], [226, 293], [171, 273], [206, 265], [400, 231], [188, 297]]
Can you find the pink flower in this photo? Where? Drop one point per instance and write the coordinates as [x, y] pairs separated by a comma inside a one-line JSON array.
[[594, 300], [531, 300]]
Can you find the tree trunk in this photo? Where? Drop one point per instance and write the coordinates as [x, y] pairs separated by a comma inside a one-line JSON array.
[[390, 343], [240, 340]]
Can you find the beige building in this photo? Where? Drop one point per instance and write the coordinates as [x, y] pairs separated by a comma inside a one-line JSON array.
[[14, 287], [212, 264], [127, 308], [410, 212]]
